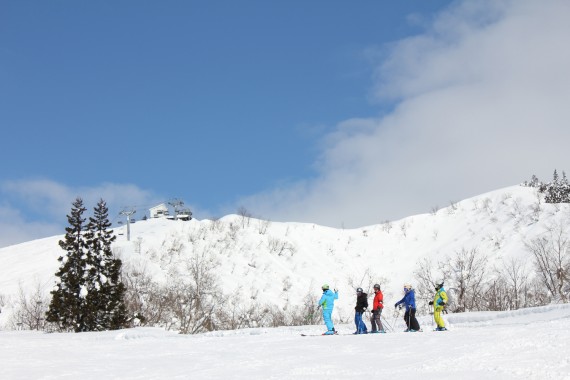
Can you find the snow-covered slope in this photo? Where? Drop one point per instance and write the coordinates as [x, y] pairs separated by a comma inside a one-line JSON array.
[[280, 263], [525, 344]]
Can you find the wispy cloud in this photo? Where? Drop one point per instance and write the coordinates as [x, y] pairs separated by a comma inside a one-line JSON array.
[[15, 229], [35, 208], [481, 103]]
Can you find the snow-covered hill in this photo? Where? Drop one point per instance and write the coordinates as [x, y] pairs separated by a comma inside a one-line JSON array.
[[281, 263]]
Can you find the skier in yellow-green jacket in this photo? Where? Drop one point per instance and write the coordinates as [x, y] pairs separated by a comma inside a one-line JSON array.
[[439, 302]]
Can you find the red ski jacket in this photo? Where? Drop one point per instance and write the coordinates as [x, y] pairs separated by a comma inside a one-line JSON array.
[[378, 300]]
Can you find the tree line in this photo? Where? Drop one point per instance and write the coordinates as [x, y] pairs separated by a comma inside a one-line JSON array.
[[555, 191]]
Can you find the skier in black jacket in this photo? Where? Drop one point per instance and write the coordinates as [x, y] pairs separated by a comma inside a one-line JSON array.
[[361, 305]]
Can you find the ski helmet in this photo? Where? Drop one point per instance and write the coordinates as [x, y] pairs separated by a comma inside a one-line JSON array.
[[407, 287], [377, 286], [439, 283], [359, 290], [325, 287]]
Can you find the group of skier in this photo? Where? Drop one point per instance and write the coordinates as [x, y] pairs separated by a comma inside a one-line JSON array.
[[408, 301]]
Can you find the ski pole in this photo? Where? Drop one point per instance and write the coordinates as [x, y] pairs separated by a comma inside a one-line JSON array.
[[396, 315], [387, 324]]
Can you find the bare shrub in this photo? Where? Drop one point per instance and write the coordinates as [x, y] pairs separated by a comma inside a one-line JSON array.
[[280, 247], [262, 226], [366, 281], [245, 216], [425, 284], [216, 225], [487, 205], [233, 231], [3, 299], [516, 275], [466, 272], [145, 300], [496, 295], [452, 207], [404, 228], [552, 260], [29, 310]]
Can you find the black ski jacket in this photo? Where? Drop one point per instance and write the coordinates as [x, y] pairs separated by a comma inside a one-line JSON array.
[[361, 302]]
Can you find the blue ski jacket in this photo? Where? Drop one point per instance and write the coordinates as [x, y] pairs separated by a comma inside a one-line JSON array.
[[327, 300], [409, 300]]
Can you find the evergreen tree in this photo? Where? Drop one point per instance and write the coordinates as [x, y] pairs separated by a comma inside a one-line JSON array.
[[66, 308], [534, 182], [564, 189], [557, 191], [105, 291], [89, 294]]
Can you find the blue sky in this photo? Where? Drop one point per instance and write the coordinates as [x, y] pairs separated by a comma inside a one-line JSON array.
[[320, 111]]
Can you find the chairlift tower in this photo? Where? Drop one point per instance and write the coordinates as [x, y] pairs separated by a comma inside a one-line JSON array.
[[128, 213], [177, 204]]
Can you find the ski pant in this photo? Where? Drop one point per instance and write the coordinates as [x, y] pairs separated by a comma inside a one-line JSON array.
[[375, 320], [437, 316], [411, 321], [328, 319], [360, 325]]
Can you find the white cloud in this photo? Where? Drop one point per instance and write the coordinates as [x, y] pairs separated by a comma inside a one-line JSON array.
[[482, 101], [14, 229], [23, 200]]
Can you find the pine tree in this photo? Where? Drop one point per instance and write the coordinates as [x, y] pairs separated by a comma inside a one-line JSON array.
[[105, 291], [564, 189], [558, 190], [89, 294], [534, 182], [66, 308]]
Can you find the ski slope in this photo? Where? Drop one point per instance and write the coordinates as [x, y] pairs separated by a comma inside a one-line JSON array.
[[278, 264], [524, 344]]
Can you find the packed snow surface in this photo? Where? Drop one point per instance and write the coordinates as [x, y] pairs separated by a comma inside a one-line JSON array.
[[525, 344]]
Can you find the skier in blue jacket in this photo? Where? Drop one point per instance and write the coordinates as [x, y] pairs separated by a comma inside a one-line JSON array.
[[327, 303], [409, 301]]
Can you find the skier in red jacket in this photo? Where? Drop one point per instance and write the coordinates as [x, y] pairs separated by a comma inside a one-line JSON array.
[[377, 307]]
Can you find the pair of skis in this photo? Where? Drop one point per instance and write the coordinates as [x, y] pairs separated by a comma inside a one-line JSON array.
[[335, 334], [364, 334]]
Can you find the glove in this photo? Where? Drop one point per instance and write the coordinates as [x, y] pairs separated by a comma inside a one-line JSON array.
[[430, 303], [442, 304], [400, 307], [395, 305]]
